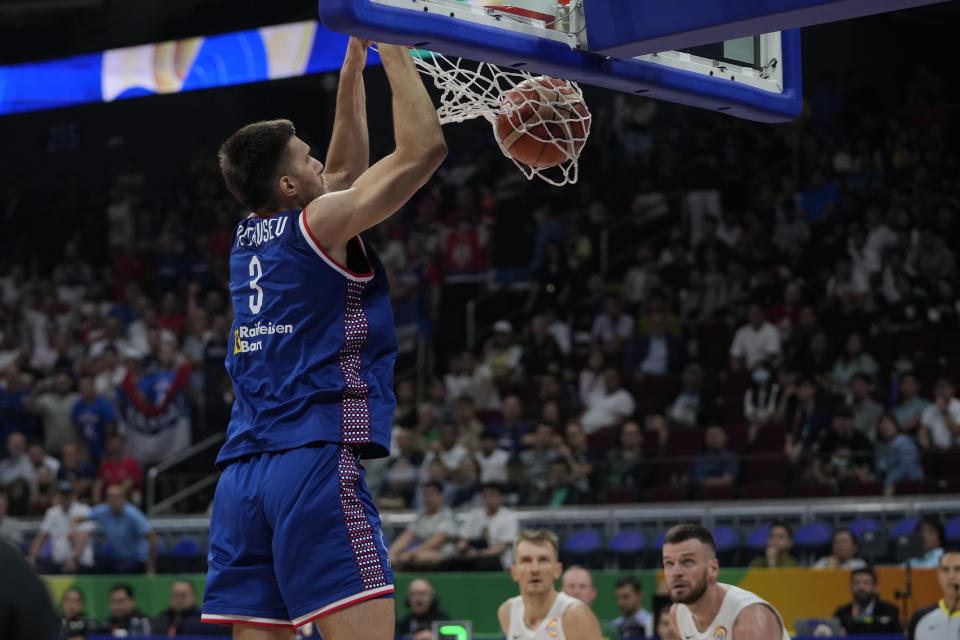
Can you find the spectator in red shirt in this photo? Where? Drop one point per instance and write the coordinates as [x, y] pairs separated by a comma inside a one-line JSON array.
[[118, 468], [171, 316]]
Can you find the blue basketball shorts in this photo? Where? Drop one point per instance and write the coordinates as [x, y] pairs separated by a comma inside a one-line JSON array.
[[294, 535]]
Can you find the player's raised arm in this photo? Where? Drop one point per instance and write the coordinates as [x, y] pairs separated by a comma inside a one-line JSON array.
[[349, 153], [336, 217]]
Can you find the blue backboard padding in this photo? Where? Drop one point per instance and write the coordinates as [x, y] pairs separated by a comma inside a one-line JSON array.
[[506, 48], [626, 29]]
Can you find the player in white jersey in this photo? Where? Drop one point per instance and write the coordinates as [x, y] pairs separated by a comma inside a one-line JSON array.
[[703, 608], [540, 612]]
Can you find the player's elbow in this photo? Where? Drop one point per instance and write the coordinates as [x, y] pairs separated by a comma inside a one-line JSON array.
[[435, 153]]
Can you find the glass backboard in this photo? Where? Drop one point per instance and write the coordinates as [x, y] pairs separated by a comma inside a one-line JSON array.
[[754, 77]]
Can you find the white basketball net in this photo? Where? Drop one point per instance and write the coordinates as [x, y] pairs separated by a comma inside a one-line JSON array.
[[473, 89]]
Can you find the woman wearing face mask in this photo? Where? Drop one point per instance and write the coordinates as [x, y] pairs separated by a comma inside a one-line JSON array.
[[760, 400]]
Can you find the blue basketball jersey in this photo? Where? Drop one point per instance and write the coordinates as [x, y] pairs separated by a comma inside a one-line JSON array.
[[313, 342]]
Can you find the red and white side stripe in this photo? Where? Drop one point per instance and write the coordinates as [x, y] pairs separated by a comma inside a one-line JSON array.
[[336, 266], [216, 618], [342, 603]]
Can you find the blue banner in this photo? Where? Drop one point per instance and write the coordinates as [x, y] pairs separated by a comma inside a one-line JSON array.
[[267, 53]]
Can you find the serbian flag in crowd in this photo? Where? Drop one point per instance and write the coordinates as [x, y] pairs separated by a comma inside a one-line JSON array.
[[154, 413]]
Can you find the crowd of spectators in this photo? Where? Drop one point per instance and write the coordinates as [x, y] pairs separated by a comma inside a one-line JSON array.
[[126, 620], [787, 333], [714, 300]]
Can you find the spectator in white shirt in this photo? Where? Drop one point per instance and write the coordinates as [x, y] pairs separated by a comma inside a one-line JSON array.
[[432, 533], [68, 551], [467, 378], [612, 328], [611, 409], [448, 451], [487, 534], [110, 372], [843, 554], [755, 342], [492, 460], [940, 422], [39, 458]]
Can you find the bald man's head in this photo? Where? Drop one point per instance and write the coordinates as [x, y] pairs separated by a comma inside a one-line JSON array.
[[578, 583], [419, 596]]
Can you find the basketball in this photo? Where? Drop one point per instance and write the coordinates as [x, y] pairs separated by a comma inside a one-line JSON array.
[[543, 122]]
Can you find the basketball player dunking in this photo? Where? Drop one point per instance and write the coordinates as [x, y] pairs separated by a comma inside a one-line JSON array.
[[703, 608], [294, 533], [540, 612]]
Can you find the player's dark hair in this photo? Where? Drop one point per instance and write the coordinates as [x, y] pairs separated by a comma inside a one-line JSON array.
[[251, 159], [489, 434], [629, 581], [690, 531], [122, 586], [865, 571]]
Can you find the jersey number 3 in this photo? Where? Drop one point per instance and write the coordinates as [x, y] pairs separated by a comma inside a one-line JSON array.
[[256, 298]]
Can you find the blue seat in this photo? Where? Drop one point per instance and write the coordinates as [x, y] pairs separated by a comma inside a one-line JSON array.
[[757, 540], [906, 527], [813, 535], [658, 544], [952, 530], [627, 542], [186, 548], [862, 526], [726, 538], [583, 542]]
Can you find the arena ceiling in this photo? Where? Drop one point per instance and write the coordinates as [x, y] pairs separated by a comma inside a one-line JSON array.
[[32, 30]]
